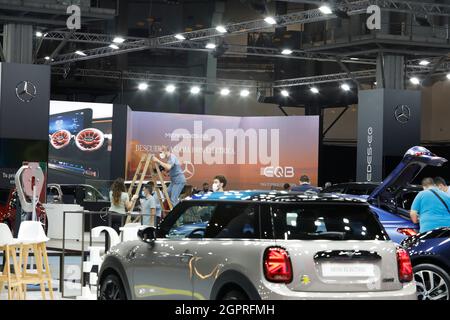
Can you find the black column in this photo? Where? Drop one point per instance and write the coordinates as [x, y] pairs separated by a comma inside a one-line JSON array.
[[24, 112], [388, 125]]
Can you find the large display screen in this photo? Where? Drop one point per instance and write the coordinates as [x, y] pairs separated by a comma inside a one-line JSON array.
[[73, 121], [80, 136], [252, 152]]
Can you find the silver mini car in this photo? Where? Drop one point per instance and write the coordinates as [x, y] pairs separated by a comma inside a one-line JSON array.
[[260, 245]]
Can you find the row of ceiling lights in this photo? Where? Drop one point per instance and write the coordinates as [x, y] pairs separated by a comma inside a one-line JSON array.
[[226, 91]]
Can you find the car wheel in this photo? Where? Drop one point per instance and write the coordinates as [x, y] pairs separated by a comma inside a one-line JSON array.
[[433, 282], [111, 288], [235, 295]]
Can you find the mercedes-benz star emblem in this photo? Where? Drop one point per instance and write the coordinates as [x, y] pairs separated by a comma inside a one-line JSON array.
[[26, 91], [188, 170], [402, 113]]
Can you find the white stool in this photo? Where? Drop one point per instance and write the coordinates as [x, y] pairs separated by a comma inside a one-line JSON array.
[[9, 245], [32, 237]]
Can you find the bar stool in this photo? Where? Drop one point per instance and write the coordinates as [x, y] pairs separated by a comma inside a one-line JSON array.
[[9, 245], [32, 237]]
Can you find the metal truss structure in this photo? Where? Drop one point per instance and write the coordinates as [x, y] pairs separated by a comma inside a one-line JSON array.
[[302, 17], [140, 76], [335, 77], [302, 81], [231, 50]]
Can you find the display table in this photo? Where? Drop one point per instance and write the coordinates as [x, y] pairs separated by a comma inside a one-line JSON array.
[[55, 221]]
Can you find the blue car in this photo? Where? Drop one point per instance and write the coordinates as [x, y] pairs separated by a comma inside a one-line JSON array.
[[391, 199], [430, 257]]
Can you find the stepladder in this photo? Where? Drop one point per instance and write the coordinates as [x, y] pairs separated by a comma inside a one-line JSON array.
[[148, 170]]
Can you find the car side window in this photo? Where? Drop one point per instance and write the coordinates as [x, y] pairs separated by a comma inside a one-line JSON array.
[[192, 222], [234, 221]]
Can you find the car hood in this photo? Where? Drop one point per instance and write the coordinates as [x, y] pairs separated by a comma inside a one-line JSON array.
[[414, 160]]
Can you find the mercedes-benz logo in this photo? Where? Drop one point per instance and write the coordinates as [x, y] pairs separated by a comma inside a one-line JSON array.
[[26, 91], [402, 113], [188, 170]]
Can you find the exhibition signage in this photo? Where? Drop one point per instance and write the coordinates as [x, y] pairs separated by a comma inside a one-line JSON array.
[[388, 125], [252, 152], [24, 106]]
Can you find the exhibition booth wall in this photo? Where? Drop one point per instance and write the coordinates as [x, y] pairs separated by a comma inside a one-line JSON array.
[[252, 152]]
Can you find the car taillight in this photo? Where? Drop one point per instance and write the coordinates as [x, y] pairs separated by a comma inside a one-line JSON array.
[[277, 265], [407, 231], [405, 269]]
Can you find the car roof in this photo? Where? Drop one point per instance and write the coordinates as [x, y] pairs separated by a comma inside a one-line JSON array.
[[274, 196]]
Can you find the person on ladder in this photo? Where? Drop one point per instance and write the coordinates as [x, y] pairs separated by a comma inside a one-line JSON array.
[[177, 178]]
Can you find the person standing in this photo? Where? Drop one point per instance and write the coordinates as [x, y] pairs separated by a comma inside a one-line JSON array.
[[149, 214], [156, 190], [431, 207], [205, 188], [177, 178], [442, 185], [219, 183], [305, 185], [120, 202]]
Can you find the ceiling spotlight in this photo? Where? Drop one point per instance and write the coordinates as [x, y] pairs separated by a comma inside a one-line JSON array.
[[448, 76], [39, 34], [180, 37], [345, 87], [221, 29], [170, 88], [414, 80], [114, 46], [143, 86], [47, 58], [314, 90], [424, 62], [325, 9], [195, 90], [210, 45], [270, 20], [118, 40], [244, 93], [224, 92], [285, 93], [286, 51], [80, 53]]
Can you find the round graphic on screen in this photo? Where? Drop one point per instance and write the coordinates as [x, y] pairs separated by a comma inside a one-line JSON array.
[[60, 139], [89, 139]]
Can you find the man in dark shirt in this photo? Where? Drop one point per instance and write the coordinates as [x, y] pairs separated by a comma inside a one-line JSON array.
[[305, 185]]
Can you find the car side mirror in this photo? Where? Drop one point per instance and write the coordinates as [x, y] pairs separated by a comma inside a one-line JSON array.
[[147, 234]]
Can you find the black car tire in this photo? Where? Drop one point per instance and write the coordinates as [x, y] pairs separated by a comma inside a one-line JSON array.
[[111, 288], [235, 295], [422, 273]]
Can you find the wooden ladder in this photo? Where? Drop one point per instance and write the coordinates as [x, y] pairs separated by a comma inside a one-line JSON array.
[[146, 164]]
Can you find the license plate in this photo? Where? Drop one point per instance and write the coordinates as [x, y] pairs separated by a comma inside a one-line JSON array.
[[348, 270]]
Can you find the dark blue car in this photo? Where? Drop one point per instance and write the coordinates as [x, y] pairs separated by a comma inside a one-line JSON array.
[[392, 198], [430, 256]]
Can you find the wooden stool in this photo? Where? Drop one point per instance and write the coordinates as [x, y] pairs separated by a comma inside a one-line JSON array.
[[32, 238], [9, 246], [42, 274]]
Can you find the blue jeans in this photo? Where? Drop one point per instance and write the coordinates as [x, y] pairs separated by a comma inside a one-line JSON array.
[[174, 191]]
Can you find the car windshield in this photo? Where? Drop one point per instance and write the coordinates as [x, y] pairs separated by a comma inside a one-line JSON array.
[[326, 222]]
